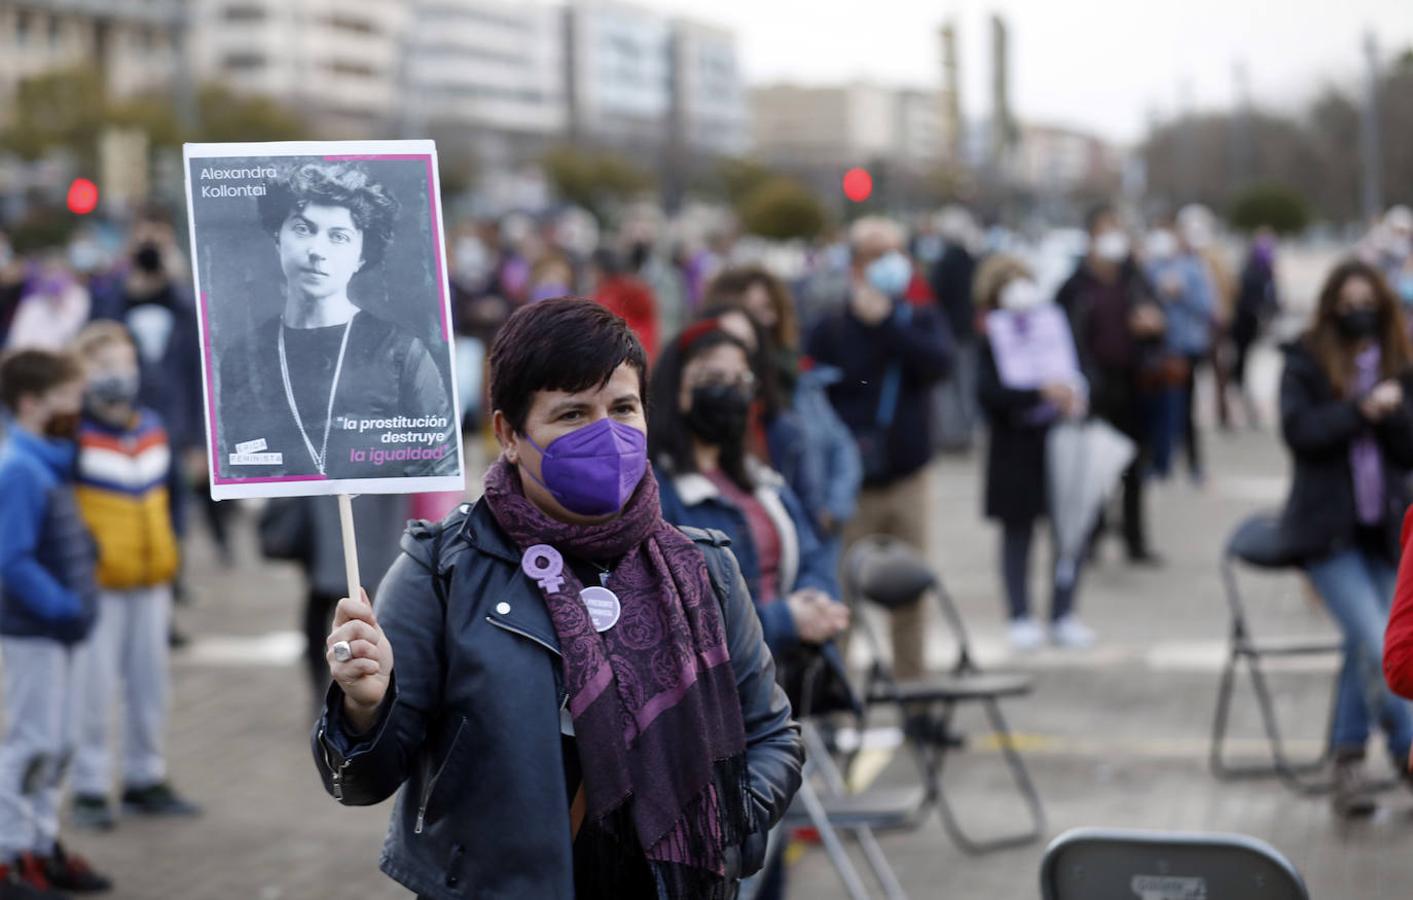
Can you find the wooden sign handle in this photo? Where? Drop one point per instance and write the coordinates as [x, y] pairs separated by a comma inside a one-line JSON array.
[[350, 545]]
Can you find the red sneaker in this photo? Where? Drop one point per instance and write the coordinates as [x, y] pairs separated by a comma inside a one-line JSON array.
[[71, 872]]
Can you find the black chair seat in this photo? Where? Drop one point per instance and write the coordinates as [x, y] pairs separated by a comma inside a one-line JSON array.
[[979, 686], [879, 809], [1258, 542], [1291, 646]]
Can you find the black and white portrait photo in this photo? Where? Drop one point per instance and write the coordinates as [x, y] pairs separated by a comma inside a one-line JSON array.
[[324, 319]]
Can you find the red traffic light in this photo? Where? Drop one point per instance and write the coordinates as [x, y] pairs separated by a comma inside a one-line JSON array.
[[858, 184], [83, 197]]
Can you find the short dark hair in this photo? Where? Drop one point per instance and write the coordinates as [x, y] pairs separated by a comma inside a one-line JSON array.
[[568, 344], [1095, 213], [669, 438], [373, 208], [30, 373]]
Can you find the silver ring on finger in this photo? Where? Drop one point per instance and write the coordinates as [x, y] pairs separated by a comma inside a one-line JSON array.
[[342, 651]]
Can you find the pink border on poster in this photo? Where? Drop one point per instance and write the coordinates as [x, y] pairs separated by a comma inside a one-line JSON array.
[[215, 448], [432, 201]]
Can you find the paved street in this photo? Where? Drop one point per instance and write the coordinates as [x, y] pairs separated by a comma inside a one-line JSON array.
[[1115, 736]]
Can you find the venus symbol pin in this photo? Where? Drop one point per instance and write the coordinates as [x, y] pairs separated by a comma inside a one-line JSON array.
[[543, 564]]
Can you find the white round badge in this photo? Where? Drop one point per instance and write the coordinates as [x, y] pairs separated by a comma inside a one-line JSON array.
[[603, 605]]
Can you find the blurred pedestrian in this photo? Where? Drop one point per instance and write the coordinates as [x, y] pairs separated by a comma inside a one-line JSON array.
[[551, 276], [627, 296], [379, 520], [1185, 289], [1020, 414], [1197, 227], [1118, 329], [891, 354], [124, 458], [952, 280], [53, 306], [12, 286], [583, 704], [704, 387], [149, 298], [1257, 304], [1347, 417], [48, 597], [808, 444]]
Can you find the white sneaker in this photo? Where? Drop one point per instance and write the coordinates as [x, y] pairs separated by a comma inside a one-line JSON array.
[[1026, 634], [1071, 633]]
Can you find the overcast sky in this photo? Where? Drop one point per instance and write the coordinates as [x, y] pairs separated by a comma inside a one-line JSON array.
[[1107, 65]]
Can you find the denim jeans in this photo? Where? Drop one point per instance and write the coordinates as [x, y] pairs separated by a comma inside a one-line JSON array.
[[1358, 589], [1016, 540]]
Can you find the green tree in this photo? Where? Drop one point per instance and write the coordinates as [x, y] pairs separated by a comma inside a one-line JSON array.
[[596, 181], [783, 209], [228, 116], [1272, 205], [60, 110]]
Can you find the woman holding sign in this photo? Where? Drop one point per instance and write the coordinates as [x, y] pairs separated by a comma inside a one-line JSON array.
[[582, 704], [326, 388], [1029, 380]]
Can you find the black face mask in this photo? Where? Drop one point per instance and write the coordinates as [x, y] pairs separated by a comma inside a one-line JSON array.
[[148, 258], [718, 413], [62, 426], [1358, 324]]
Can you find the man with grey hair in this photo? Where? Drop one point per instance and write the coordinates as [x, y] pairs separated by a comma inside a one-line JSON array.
[[891, 354]]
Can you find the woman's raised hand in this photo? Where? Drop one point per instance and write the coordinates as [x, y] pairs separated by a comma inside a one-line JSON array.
[[365, 671]]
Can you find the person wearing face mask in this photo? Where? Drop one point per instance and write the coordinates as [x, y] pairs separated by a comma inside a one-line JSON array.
[[124, 458], [1118, 328], [53, 307], [890, 354], [582, 704], [1029, 381], [709, 480], [1346, 403], [48, 598]]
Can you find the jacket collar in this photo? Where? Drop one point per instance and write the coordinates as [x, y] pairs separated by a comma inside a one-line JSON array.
[[517, 604], [695, 488]]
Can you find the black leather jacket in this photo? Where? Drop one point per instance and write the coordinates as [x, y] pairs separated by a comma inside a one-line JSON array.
[[470, 731]]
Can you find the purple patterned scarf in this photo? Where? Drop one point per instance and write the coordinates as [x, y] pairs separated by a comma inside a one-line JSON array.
[[656, 715], [1364, 460]]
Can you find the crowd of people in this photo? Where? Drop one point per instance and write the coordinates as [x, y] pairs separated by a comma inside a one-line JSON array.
[[785, 415]]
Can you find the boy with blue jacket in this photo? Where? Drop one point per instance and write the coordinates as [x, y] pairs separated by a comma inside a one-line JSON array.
[[47, 602]]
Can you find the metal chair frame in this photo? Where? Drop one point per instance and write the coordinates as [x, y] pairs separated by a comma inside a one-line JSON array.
[[930, 714], [1245, 651]]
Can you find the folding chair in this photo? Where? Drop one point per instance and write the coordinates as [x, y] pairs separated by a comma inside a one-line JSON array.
[[1107, 864], [1256, 543], [888, 573], [835, 813]]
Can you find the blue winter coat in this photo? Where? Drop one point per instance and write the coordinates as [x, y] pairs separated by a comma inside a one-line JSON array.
[[47, 557], [691, 500]]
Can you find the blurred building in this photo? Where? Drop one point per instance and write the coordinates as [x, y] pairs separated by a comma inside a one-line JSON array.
[[818, 132], [1058, 160], [709, 91], [487, 75], [338, 62], [135, 43], [644, 82]]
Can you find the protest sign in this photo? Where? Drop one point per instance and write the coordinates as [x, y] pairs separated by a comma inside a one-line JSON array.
[[1032, 348], [325, 321]]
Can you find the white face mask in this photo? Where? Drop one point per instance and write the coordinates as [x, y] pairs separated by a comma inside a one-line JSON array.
[[1111, 246], [1162, 245], [1020, 295]]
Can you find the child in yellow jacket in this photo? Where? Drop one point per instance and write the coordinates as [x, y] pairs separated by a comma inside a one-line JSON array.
[[123, 476]]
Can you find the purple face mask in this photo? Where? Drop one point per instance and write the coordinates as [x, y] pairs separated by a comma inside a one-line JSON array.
[[592, 471]]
